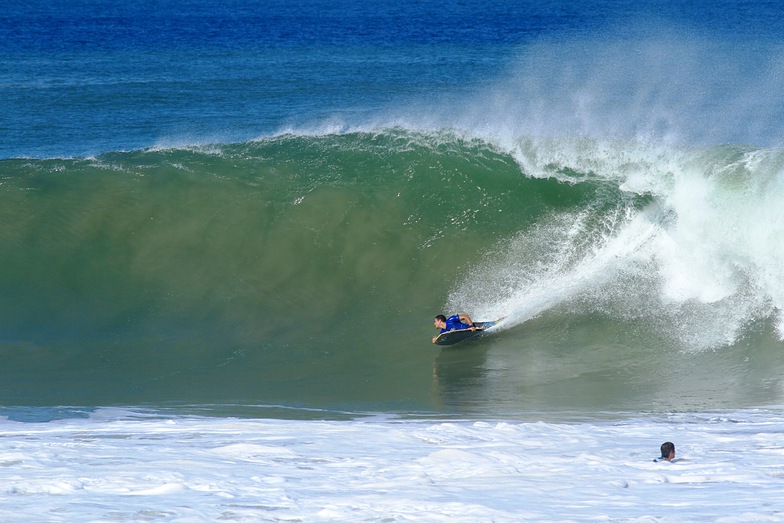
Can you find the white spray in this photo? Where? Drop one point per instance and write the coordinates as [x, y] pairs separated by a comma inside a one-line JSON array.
[[702, 261]]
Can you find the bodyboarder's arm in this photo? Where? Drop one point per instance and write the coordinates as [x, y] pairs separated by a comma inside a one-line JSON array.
[[465, 318]]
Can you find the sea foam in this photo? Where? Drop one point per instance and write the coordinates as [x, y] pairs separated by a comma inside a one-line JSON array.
[[729, 468]]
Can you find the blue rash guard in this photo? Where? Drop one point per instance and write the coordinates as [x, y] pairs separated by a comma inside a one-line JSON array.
[[453, 323]]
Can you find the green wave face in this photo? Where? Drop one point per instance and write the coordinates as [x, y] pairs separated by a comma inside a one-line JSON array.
[[307, 270]]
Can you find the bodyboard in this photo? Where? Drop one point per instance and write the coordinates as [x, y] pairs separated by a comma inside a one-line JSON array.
[[456, 336]]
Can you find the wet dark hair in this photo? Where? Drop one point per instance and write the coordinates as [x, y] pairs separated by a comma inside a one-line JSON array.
[[667, 448], [441, 317]]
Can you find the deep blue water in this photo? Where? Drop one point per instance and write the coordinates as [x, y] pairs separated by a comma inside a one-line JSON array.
[[85, 77]]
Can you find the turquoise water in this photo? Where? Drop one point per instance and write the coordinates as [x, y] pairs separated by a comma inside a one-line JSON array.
[[262, 205], [305, 271]]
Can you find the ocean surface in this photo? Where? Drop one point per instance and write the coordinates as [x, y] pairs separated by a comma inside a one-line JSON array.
[[225, 230]]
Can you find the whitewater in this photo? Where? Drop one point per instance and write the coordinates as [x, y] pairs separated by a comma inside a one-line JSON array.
[[141, 466]]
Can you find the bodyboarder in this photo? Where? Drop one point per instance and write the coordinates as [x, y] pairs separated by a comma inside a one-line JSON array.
[[455, 322]]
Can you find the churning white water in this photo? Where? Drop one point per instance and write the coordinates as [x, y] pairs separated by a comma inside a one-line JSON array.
[[131, 466]]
